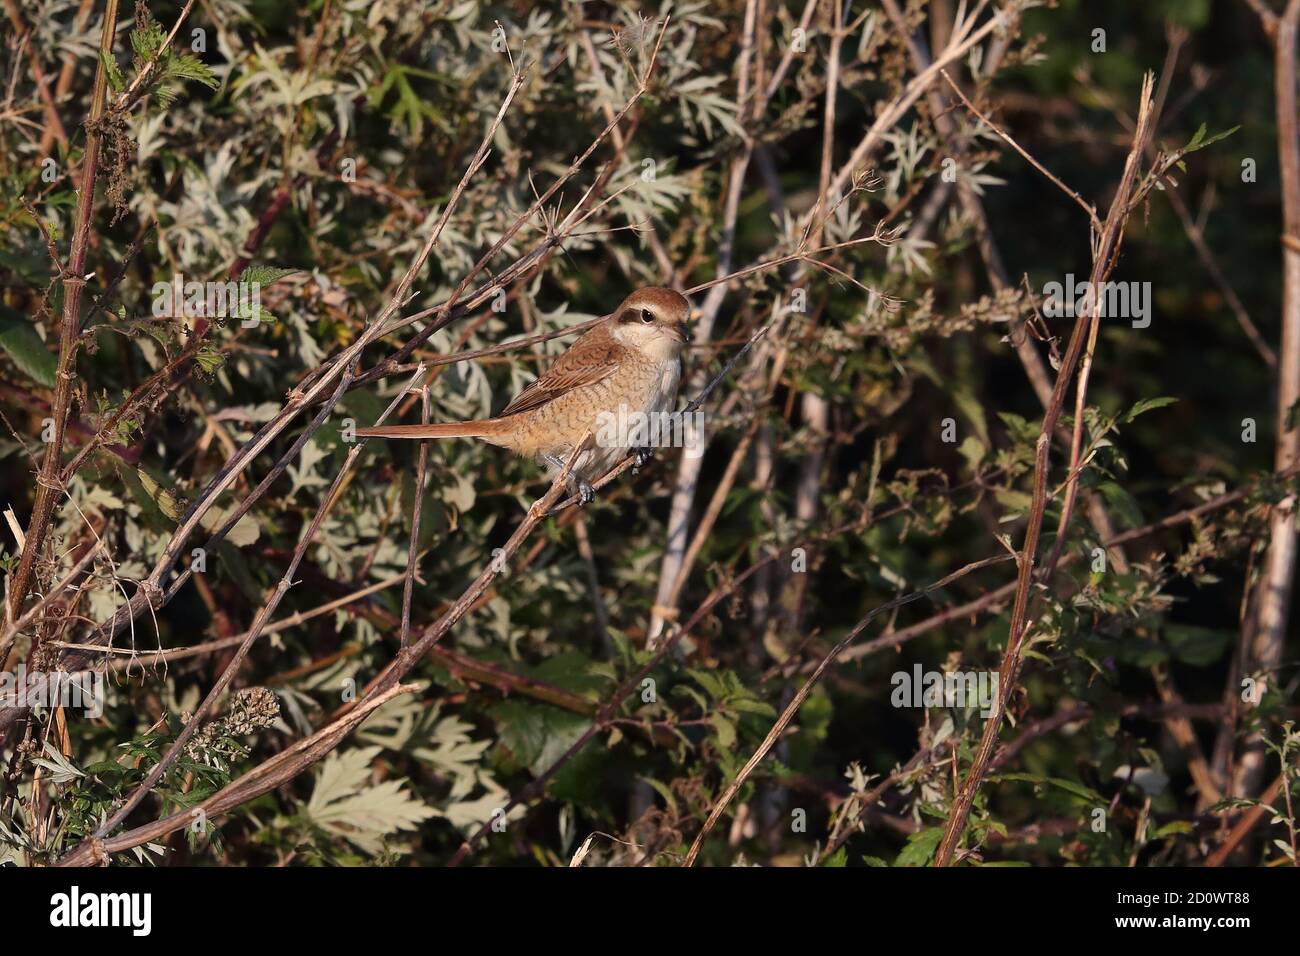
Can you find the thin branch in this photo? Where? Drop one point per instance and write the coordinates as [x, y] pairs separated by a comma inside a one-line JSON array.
[[1108, 243], [1010, 141], [48, 485], [778, 728]]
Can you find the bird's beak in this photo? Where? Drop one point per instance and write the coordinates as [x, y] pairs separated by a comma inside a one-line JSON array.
[[684, 331]]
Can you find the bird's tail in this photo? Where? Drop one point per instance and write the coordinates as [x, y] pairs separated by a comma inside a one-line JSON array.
[[483, 428]]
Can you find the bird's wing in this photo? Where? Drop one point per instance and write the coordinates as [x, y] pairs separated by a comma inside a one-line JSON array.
[[594, 357]]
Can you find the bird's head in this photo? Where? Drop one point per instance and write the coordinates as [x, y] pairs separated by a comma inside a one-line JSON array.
[[654, 320]]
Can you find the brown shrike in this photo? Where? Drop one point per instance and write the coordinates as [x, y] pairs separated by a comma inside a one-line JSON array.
[[631, 362]]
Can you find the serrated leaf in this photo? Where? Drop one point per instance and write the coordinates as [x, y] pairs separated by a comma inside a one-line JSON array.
[[187, 67], [60, 769], [344, 805], [264, 275], [147, 41], [537, 736], [115, 80], [920, 847], [209, 359]]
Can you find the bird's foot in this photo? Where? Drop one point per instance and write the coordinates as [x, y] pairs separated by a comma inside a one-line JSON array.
[[579, 485], [640, 457]]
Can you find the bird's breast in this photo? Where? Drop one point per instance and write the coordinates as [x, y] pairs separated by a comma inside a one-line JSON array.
[[643, 388], [663, 391], [646, 387]]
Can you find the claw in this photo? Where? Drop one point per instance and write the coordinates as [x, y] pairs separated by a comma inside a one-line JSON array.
[[586, 493], [640, 457]]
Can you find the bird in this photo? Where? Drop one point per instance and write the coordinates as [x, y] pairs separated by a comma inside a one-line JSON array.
[[630, 362]]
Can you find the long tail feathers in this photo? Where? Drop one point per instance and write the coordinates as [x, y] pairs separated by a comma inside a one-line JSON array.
[[478, 429]]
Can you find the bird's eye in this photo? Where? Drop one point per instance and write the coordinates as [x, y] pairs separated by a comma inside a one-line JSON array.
[[647, 315]]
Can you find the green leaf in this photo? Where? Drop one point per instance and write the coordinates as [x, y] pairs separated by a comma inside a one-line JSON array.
[[1145, 406], [726, 731], [19, 340], [537, 736], [209, 359], [1069, 786], [147, 41], [1016, 502], [920, 847], [710, 682], [1200, 141], [1197, 646], [183, 66], [1019, 429], [411, 107], [571, 670], [114, 75], [973, 450], [61, 769], [264, 275], [748, 705]]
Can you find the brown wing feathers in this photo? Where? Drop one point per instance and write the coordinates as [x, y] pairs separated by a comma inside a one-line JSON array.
[[592, 358]]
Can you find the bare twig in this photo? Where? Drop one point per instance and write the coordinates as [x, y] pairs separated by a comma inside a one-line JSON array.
[[1108, 243], [778, 728], [1010, 141]]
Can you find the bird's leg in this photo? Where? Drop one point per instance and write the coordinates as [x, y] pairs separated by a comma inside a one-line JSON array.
[[640, 457], [586, 493]]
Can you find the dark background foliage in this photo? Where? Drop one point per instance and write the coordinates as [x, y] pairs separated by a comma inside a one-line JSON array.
[[1134, 669]]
